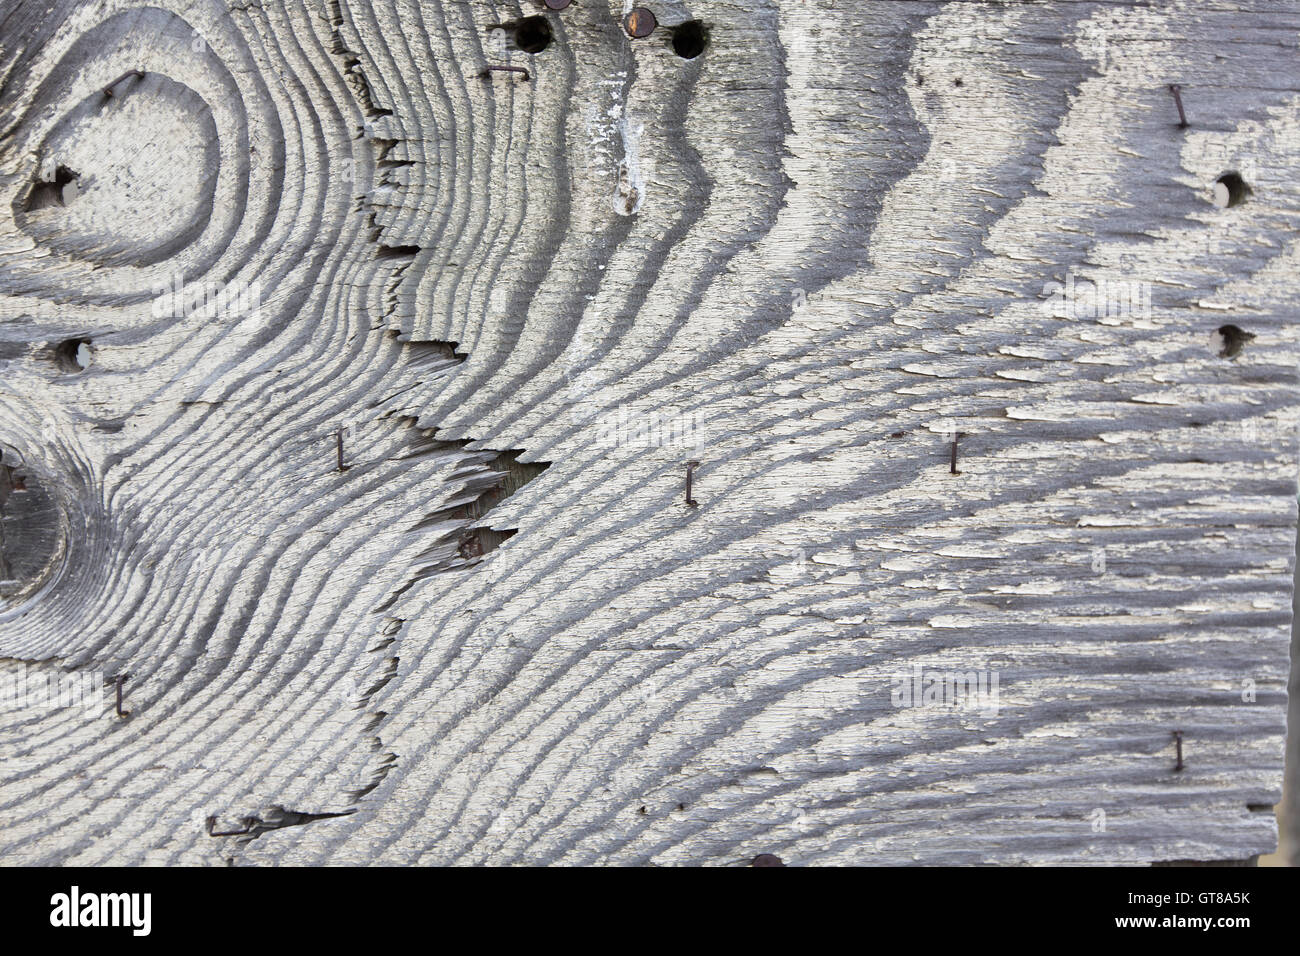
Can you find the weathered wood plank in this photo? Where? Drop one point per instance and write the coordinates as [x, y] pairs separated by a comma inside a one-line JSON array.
[[459, 302]]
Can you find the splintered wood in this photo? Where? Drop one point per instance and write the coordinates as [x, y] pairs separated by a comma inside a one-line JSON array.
[[817, 432]]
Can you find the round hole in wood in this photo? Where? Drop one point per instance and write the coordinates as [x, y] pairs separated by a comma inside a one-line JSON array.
[[1231, 340], [533, 34], [690, 39], [1230, 190], [59, 190], [73, 355]]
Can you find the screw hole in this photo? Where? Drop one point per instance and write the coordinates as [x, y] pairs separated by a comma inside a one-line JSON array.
[[1232, 339], [533, 34], [690, 39], [1230, 190], [59, 192], [73, 355]]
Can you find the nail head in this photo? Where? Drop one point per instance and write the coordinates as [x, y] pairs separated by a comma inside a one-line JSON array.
[[639, 23]]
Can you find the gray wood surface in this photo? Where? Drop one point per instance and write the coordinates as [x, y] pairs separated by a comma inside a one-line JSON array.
[[513, 306]]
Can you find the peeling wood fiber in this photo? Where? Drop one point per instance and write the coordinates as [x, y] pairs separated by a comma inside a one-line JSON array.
[[351, 386]]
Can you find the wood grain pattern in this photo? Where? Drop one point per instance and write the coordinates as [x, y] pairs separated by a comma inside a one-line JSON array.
[[390, 531]]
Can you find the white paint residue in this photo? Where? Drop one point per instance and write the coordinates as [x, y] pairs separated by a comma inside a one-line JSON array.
[[629, 194], [611, 133]]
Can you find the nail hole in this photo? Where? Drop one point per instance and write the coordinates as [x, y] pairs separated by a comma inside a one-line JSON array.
[[1230, 190], [690, 39], [1231, 340], [533, 34], [73, 355], [59, 192]]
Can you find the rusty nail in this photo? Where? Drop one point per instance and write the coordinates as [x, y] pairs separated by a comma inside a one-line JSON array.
[[690, 469], [639, 23], [766, 859], [120, 680], [108, 90], [953, 466], [505, 69], [1178, 745], [1178, 100], [338, 438]]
